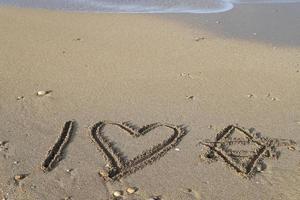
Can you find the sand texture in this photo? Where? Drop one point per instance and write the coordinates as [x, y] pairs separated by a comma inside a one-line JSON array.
[[91, 104]]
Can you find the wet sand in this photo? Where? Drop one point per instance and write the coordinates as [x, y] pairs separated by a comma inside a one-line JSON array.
[[144, 69], [273, 24]]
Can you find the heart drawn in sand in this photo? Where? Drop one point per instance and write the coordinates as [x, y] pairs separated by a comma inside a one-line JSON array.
[[118, 166]]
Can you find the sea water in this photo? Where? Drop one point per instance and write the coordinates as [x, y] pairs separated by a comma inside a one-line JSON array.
[[139, 6]]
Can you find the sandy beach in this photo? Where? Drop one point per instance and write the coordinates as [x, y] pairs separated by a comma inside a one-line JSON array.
[[114, 74]]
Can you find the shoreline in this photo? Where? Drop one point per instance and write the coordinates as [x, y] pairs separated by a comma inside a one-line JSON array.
[[273, 24]]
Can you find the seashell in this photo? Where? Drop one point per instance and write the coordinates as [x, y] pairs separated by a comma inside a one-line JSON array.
[[43, 92], [131, 190], [177, 149], [190, 97], [291, 148], [69, 170], [250, 95], [20, 177], [103, 173], [20, 98], [259, 168], [16, 162], [117, 193]]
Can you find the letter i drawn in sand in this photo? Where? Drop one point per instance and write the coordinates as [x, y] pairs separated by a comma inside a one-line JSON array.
[[56, 152]]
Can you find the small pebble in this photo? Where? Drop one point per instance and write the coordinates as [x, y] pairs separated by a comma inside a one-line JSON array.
[[188, 190], [177, 149], [291, 148], [250, 95], [186, 75], [43, 92], [20, 98], [69, 170], [261, 167], [154, 198], [117, 193], [254, 33], [16, 162], [33, 187], [197, 39], [131, 190], [218, 22], [190, 97], [20, 177], [258, 168], [103, 173], [202, 157]]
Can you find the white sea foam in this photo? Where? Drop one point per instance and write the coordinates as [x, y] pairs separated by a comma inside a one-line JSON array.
[[139, 6]]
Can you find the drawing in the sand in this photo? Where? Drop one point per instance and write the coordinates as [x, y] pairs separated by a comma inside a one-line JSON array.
[[56, 152], [119, 166], [242, 150]]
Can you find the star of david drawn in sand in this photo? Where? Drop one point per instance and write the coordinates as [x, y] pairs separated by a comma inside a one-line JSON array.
[[243, 151]]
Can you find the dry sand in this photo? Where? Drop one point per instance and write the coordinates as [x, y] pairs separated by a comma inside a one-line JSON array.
[[141, 69]]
